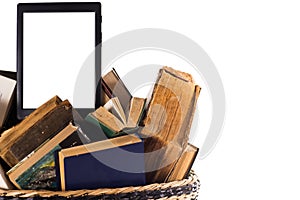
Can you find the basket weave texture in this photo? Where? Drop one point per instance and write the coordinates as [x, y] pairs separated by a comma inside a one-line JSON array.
[[184, 189]]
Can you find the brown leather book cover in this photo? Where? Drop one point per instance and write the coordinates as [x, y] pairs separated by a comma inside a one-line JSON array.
[[19, 141], [113, 86]]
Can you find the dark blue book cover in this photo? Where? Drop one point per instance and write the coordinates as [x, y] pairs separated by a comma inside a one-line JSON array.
[[112, 163]]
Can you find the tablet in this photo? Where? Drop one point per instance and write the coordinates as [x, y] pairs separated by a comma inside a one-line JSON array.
[[53, 42]]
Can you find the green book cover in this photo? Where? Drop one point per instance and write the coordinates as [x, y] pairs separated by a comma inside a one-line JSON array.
[[108, 132], [41, 175], [37, 170]]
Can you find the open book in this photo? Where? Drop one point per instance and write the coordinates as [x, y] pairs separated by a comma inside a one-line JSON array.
[[114, 120]]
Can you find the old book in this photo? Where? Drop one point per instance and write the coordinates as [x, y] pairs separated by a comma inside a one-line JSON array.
[[113, 86], [184, 164], [109, 123], [136, 109], [7, 137], [112, 119], [37, 170], [112, 163], [168, 121], [45, 122], [114, 106], [7, 90], [106, 94]]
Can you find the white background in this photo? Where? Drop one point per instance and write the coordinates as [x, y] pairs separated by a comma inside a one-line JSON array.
[[255, 46]]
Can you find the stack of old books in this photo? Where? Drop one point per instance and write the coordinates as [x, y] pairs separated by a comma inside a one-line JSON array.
[[124, 142]]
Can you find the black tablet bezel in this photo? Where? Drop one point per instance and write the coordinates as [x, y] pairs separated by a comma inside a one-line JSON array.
[[56, 7]]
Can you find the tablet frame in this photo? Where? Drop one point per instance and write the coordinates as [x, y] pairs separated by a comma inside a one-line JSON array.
[[57, 7]]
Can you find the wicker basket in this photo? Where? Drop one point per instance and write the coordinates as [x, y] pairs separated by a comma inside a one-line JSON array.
[[185, 189]]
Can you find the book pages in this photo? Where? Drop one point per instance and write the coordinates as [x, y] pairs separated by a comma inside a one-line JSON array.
[[7, 88]]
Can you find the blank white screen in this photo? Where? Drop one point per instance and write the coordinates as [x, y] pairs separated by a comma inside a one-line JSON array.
[[55, 46]]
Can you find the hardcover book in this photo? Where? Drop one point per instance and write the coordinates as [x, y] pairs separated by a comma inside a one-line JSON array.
[[112, 163], [37, 170], [113, 86], [45, 122], [168, 120], [184, 164]]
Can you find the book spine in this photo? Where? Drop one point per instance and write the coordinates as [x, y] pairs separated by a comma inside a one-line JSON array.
[[57, 170], [187, 123], [183, 165], [49, 126], [106, 89]]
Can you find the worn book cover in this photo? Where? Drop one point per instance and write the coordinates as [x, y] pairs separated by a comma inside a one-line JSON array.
[[45, 122], [113, 86], [168, 120], [183, 164]]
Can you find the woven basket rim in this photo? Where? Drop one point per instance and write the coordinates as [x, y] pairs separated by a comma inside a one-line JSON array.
[[192, 178]]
